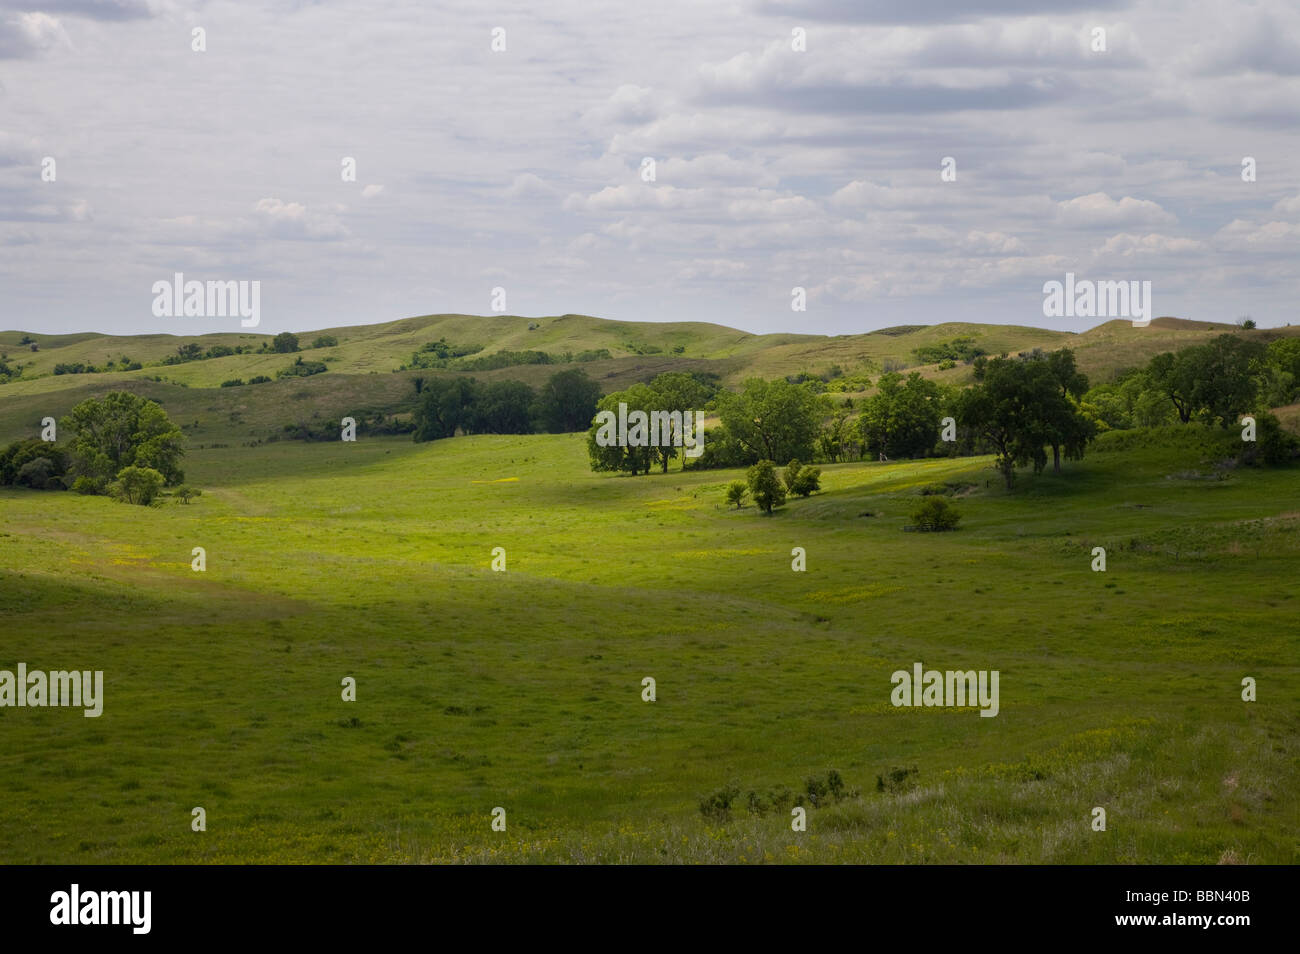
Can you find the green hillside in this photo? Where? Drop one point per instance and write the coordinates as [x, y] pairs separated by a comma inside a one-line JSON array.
[[522, 689], [362, 367]]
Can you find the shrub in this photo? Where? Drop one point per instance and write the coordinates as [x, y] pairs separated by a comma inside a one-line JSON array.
[[766, 486], [1273, 446], [137, 485], [187, 493], [38, 474], [325, 341], [15, 458], [301, 368], [263, 379], [802, 481], [897, 780], [736, 492], [717, 807], [935, 513], [286, 342], [88, 486], [233, 383]]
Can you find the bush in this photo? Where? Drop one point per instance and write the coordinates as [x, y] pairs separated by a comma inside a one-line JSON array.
[[286, 342], [38, 474], [15, 458], [137, 485], [233, 383], [935, 513], [88, 486], [187, 493], [897, 780], [263, 379], [736, 492], [325, 341], [802, 481], [717, 807], [1273, 446], [766, 486], [301, 369]]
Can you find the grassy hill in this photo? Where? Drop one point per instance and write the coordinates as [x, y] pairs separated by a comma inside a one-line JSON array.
[[362, 374], [522, 689]]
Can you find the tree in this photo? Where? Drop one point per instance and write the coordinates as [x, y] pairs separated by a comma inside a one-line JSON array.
[[1174, 375], [736, 493], [137, 485], [802, 481], [187, 493], [935, 513], [39, 474], [1225, 386], [325, 341], [616, 456], [676, 391], [1065, 428], [16, 457], [446, 405], [1018, 407], [834, 436], [285, 342], [123, 430], [504, 407], [567, 402], [766, 486], [902, 418], [772, 420]]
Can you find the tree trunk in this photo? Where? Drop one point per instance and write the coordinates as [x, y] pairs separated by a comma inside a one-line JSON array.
[[1056, 458]]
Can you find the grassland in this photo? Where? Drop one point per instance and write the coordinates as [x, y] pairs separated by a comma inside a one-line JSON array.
[[522, 689]]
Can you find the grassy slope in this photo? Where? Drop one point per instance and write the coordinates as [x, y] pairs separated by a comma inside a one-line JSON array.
[[522, 689], [361, 377]]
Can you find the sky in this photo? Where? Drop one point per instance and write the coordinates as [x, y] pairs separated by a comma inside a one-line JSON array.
[[795, 144]]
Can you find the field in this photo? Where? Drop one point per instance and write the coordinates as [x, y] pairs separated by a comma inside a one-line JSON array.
[[522, 689]]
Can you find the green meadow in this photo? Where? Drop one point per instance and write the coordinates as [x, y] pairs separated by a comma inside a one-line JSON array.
[[522, 689]]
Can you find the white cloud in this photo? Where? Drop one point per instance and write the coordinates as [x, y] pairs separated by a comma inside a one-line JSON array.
[[1100, 210]]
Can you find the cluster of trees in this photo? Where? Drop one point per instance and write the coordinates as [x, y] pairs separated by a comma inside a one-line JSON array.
[[114, 364], [673, 391], [962, 348], [1213, 383], [240, 382], [1021, 406], [123, 445], [439, 355], [302, 369], [1026, 409], [769, 490], [447, 406]]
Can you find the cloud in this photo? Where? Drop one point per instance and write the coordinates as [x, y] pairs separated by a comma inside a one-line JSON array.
[[1257, 43], [92, 9], [1241, 235], [30, 34], [293, 221], [370, 191], [1289, 204], [1099, 210], [528, 185], [629, 104], [924, 11], [1129, 245]]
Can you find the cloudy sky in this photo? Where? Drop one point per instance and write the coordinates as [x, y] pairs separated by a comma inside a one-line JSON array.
[[774, 167]]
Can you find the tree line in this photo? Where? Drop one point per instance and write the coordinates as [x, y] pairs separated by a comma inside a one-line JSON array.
[[1027, 409]]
